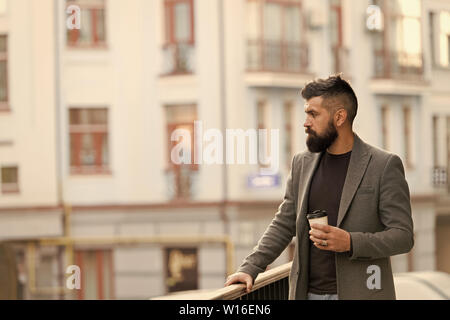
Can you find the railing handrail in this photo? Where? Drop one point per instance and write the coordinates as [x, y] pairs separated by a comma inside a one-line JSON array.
[[235, 291], [263, 279]]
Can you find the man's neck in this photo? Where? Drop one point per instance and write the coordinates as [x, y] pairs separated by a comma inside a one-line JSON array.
[[343, 144]]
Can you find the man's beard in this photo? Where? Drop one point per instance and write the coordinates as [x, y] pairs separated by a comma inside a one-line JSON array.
[[318, 143]]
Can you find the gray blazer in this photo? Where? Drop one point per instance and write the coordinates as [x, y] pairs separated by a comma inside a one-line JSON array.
[[375, 209]]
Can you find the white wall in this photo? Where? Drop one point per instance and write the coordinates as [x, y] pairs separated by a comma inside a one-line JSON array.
[[30, 124]]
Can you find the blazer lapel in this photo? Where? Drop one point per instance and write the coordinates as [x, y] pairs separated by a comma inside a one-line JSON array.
[[356, 169], [310, 163]]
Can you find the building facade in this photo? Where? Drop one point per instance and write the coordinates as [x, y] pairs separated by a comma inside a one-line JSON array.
[[89, 116]]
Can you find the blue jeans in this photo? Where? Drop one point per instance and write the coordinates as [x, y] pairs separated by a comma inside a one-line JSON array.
[[313, 296]]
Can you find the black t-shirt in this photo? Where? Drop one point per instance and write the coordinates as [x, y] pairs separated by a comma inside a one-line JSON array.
[[325, 194]]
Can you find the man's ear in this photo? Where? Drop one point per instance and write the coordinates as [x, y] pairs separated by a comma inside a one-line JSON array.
[[340, 116]]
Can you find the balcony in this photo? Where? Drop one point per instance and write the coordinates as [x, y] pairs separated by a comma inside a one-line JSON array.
[[274, 285], [179, 59], [277, 64], [276, 56], [398, 65]]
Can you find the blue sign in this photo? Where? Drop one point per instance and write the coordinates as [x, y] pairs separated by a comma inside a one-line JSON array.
[[263, 180]]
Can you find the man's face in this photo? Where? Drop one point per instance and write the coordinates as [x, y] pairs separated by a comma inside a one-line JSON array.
[[319, 126]]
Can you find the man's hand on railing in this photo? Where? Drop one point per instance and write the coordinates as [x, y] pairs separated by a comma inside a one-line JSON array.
[[240, 277]]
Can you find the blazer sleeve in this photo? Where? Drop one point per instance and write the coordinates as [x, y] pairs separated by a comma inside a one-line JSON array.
[[278, 234], [395, 214]]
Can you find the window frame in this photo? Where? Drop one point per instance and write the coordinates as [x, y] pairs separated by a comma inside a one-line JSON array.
[[386, 51], [94, 42], [102, 257], [385, 121], [11, 187], [339, 52], [179, 169], [76, 131], [262, 110], [284, 45], [4, 8], [407, 113], [170, 40], [171, 126], [169, 10], [448, 50], [289, 125], [4, 105]]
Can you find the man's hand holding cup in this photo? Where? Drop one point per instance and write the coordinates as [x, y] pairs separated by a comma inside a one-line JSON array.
[[326, 237]]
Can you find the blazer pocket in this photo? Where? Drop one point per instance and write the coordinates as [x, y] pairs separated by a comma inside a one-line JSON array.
[[366, 190]]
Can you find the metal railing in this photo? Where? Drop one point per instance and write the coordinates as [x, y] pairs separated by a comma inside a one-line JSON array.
[[277, 56], [440, 177], [397, 64], [182, 182], [179, 58], [270, 285]]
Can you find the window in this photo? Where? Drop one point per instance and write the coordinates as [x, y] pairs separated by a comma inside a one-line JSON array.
[[93, 30], [179, 37], [440, 38], [336, 23], [385, 126], [448, 50], [97, 274], [288, 127], [398, 49], [262, 138], [89, 147], [276, 36], [441, 151], [339, 52], [407, 123], [435, 141], [10, 179], [3, 6], [181, 269], [439, 177], [4, 72], [448, 153], [180, 173]]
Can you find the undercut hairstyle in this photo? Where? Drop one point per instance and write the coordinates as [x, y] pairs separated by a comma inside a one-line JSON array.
[[336, 92]]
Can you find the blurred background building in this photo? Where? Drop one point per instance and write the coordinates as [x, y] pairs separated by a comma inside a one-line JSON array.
[[86, 117]]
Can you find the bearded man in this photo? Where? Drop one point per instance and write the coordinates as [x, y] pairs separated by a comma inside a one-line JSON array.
[[365, 195]]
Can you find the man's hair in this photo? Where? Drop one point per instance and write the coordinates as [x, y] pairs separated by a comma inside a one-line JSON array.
[[334, 91]]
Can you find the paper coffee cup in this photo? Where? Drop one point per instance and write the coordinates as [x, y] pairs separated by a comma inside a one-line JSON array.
[[318, 216]]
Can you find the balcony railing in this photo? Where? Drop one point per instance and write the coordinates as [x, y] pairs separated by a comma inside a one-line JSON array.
[[274, 285], [270, 285], [396, 64], [276, 56], [440, 177], [181, 182], [179, 58]]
